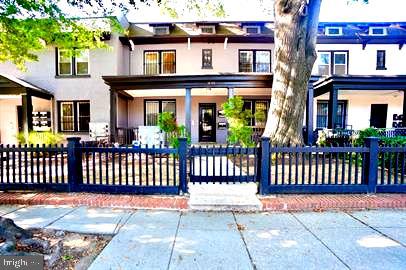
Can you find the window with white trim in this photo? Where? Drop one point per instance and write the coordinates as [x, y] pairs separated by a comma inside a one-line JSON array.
[[377, 31], [64, 62], [333, 31], [72, 65], [208, 29], [252, 29], [332, 62], [161, 30]]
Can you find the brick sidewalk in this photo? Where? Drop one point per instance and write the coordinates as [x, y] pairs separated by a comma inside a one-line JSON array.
[[269, 203]]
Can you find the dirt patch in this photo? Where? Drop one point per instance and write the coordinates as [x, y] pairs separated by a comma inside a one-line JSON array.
[[77, 251]]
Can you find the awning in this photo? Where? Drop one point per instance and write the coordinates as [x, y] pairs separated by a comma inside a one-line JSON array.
[[359, 82], [175, 81], [10, 85]]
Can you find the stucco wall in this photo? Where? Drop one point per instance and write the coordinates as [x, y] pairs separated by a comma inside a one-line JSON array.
[[190, 61], [363, 62]]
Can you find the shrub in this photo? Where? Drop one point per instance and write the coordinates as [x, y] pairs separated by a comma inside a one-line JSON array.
[[167, 123], [35, 137], [238, 119]]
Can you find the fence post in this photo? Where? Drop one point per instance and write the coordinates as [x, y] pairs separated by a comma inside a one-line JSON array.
[[371, 164], [264, 176], [75, 174], [182, 150]]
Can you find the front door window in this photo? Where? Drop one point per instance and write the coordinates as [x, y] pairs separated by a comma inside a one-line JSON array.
[[207, 122]]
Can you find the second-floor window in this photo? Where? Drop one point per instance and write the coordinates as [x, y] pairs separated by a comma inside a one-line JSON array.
[[332, 62], [159, 62], [255, 61], [68, 65], [380, 59], [207, 58]]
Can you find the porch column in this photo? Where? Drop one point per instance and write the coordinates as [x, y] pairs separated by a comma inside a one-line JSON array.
[[188, 110], [332, 108], [113, 114], [309, 113], [26, 102], [404, 109], [230, 92]]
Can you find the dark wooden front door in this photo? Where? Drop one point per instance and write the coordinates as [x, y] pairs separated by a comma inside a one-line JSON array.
[[379, 113], [207, 122]]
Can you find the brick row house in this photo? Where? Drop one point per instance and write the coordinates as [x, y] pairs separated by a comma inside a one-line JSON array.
[[191, 68]]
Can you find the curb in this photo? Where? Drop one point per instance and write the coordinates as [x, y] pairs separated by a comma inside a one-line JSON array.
[[269, 203]]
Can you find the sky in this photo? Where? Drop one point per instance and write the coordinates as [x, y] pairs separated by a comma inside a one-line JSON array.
[[331, 10]]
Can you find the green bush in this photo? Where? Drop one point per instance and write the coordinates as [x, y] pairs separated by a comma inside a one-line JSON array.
[[368, 132], [167, 123], [35, 137], [238, 120]]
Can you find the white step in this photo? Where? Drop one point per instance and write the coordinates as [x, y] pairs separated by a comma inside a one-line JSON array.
[[224, 197]]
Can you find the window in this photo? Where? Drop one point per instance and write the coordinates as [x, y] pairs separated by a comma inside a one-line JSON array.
[[159, 62], [64, 63], [72, 65], [252, 29], [322, 114], [332, 62], [82, 63], [161, 30], [74, 116], [324, 63], [340, 63], [377, 31], [255, 61], [380, 59], [258, 108], [208, 29], [154, 107], [334, 31], [207, 58]]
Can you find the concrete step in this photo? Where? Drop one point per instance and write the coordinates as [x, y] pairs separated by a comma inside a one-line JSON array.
[[224, 197]]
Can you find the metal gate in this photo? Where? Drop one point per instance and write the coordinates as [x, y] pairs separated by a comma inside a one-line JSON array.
[[223, 164]]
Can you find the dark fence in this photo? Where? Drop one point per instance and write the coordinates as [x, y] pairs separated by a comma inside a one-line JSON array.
[[309, 169], [163, 170], [33, 167], [228, 164]]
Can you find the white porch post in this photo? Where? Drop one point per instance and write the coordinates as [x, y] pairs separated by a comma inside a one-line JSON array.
[[230, 92], [188, 110]]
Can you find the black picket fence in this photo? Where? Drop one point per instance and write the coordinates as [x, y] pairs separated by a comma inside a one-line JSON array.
[[162, 170]]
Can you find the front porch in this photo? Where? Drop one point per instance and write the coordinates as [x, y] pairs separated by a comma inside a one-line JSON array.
[[196, 101], [23, 107]]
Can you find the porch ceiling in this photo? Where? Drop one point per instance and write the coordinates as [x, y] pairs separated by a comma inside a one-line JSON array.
[[174, 81], [359, 82], [10, 85]]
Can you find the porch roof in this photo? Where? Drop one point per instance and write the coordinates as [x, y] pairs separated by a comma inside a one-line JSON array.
[[175, 81], [10, 85], [359, 82]]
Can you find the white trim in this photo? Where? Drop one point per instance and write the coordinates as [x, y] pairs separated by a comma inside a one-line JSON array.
[[328, 28], [252, 26], [371, 29], [160, 28], [61, 115], [88, 64], [59, 62]]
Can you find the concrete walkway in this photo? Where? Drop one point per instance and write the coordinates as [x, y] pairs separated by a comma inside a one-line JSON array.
[[204, 240]]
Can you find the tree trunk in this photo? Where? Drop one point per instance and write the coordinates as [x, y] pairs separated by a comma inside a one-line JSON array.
[[295, 36]]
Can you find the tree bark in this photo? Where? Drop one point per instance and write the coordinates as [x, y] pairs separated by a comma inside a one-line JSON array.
[[296, 23]]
